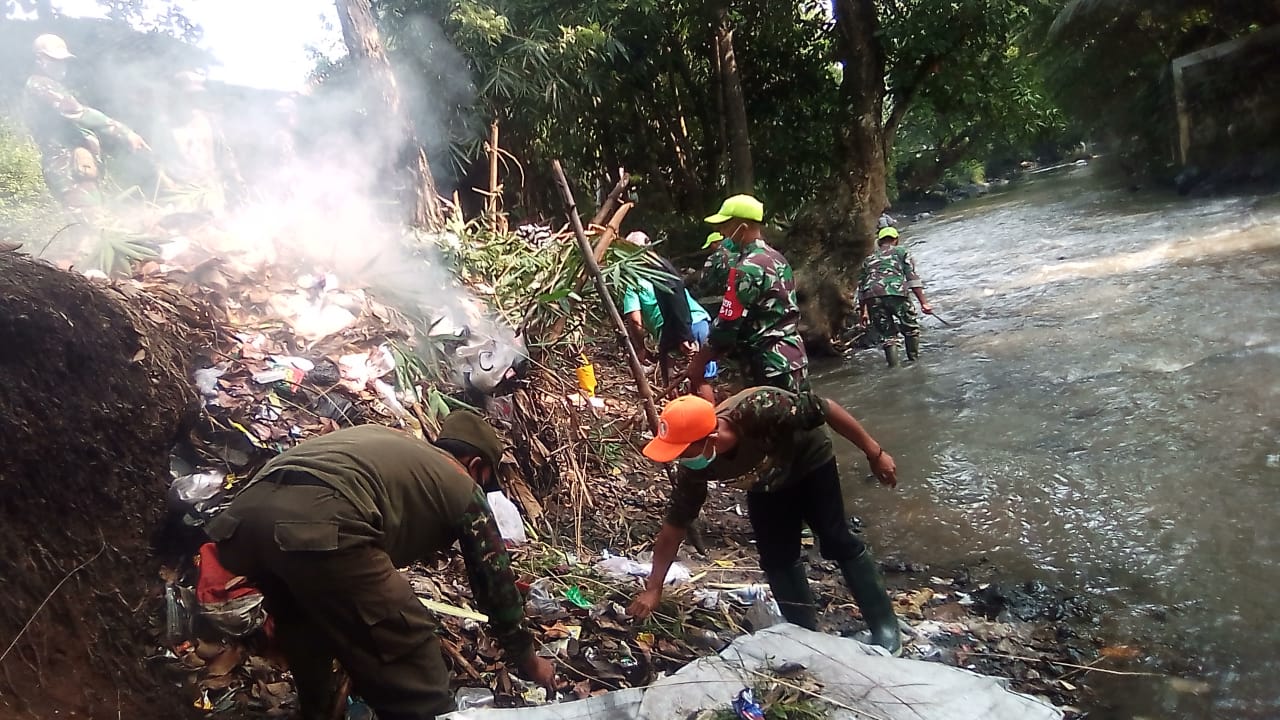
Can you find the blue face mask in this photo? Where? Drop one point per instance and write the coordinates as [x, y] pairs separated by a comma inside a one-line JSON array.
[[700, 462]]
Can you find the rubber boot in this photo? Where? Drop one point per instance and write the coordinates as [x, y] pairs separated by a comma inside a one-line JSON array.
[[791, 591], [892, 356], [863, 578], [913, 347]]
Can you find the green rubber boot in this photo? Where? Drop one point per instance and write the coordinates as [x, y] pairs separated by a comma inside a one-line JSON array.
[[791, 591], [913, 347], [863, 578], [892, 355]]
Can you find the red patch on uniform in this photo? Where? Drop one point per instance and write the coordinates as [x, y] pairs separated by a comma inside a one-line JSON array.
[[731, 308]]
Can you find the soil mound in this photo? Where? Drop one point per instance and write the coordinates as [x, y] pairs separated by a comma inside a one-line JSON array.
[[93, 394]]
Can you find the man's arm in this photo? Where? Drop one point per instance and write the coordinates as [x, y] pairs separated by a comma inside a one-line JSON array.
[[494, 585], [913, 280], [687, 499], [848, 427], [54, 95], [635, 331]]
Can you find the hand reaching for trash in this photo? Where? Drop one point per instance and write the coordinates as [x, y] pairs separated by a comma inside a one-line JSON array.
[[539, 670], [644, 604]]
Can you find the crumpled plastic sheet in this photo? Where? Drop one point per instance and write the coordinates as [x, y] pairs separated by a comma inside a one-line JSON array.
[[859, 681], [621, 568], [237, 617]]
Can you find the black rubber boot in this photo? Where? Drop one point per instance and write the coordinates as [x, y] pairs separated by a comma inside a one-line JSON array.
[[892, 356], [913, 347], [795, 599], [863, 578]]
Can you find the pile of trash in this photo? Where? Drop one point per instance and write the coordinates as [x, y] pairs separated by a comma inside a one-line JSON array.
[[798, 673], [293, 354]]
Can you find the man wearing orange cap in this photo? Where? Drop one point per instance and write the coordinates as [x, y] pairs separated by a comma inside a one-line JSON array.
[[770, 442]]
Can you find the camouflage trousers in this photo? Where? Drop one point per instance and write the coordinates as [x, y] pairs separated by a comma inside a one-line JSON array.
[[893, 315], [72, 175]]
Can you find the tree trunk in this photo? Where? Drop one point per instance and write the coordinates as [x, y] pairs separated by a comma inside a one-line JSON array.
[[743, 175], [832, 234], [383, 102], [93, 395]]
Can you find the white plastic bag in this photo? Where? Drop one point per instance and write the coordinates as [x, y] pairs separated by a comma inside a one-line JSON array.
[[510, 524]]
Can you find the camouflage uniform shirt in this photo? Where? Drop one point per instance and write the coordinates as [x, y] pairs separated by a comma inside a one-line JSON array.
[[714, 275], [759, 317], [419, 501], [780, 438], [889, 273], [69, 136]]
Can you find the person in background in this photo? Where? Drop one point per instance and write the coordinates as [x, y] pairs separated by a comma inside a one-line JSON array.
[[321, 529], [759, 317], [710, 281], [199, 166], [668, 314], [883, 284], [68, 133], [771, 443]]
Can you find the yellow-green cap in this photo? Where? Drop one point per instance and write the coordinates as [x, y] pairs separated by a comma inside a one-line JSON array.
[[889, 232], [742, 207], [712, 239]]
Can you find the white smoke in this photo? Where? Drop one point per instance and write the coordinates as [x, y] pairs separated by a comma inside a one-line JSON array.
[[328, 206]]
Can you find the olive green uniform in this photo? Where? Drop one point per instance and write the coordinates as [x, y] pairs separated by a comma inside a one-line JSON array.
[[321, 530]]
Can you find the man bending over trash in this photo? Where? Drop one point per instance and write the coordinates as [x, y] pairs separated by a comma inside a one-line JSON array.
[[321, 530], [772, 443]]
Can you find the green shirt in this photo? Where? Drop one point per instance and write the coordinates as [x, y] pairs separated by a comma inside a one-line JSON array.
[[420, 501], [643, 297], [780, 438]]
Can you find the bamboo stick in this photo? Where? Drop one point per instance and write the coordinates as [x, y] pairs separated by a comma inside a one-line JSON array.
[[614, 195], [588, 259], [492, 200]]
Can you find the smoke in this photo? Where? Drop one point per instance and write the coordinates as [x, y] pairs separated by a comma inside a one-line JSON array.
[[301, 184]]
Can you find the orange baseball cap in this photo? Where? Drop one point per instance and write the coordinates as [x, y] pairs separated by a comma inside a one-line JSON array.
[[684, 421]]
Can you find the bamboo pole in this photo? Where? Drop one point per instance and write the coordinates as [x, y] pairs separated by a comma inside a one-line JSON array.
[[606, 238], [588, 259], [492, 200], [614, 195]]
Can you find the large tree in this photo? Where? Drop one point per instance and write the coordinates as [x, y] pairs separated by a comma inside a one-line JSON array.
[[384, 105], [832, 233]]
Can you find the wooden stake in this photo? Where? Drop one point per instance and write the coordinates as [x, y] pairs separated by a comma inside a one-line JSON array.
[[588, 259]]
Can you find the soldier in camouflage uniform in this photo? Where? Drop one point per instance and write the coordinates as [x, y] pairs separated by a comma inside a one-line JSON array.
[[759, 317], [321, 530], [887, 274], [68, 133], [771, 443], [711, 280]]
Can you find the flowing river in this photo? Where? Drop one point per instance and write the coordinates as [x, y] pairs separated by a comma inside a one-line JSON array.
[[1104, 414]]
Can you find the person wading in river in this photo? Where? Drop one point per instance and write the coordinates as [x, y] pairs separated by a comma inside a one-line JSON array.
[[770, 442], [321, 530], [759, 319], [887, 274]]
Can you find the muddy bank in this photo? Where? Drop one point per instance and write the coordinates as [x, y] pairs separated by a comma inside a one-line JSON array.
[[93, 393]]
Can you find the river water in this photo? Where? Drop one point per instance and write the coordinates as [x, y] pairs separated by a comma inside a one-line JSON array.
[[1104, 414]]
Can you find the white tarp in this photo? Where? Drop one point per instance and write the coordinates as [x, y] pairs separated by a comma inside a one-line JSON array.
[[862, 678]]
